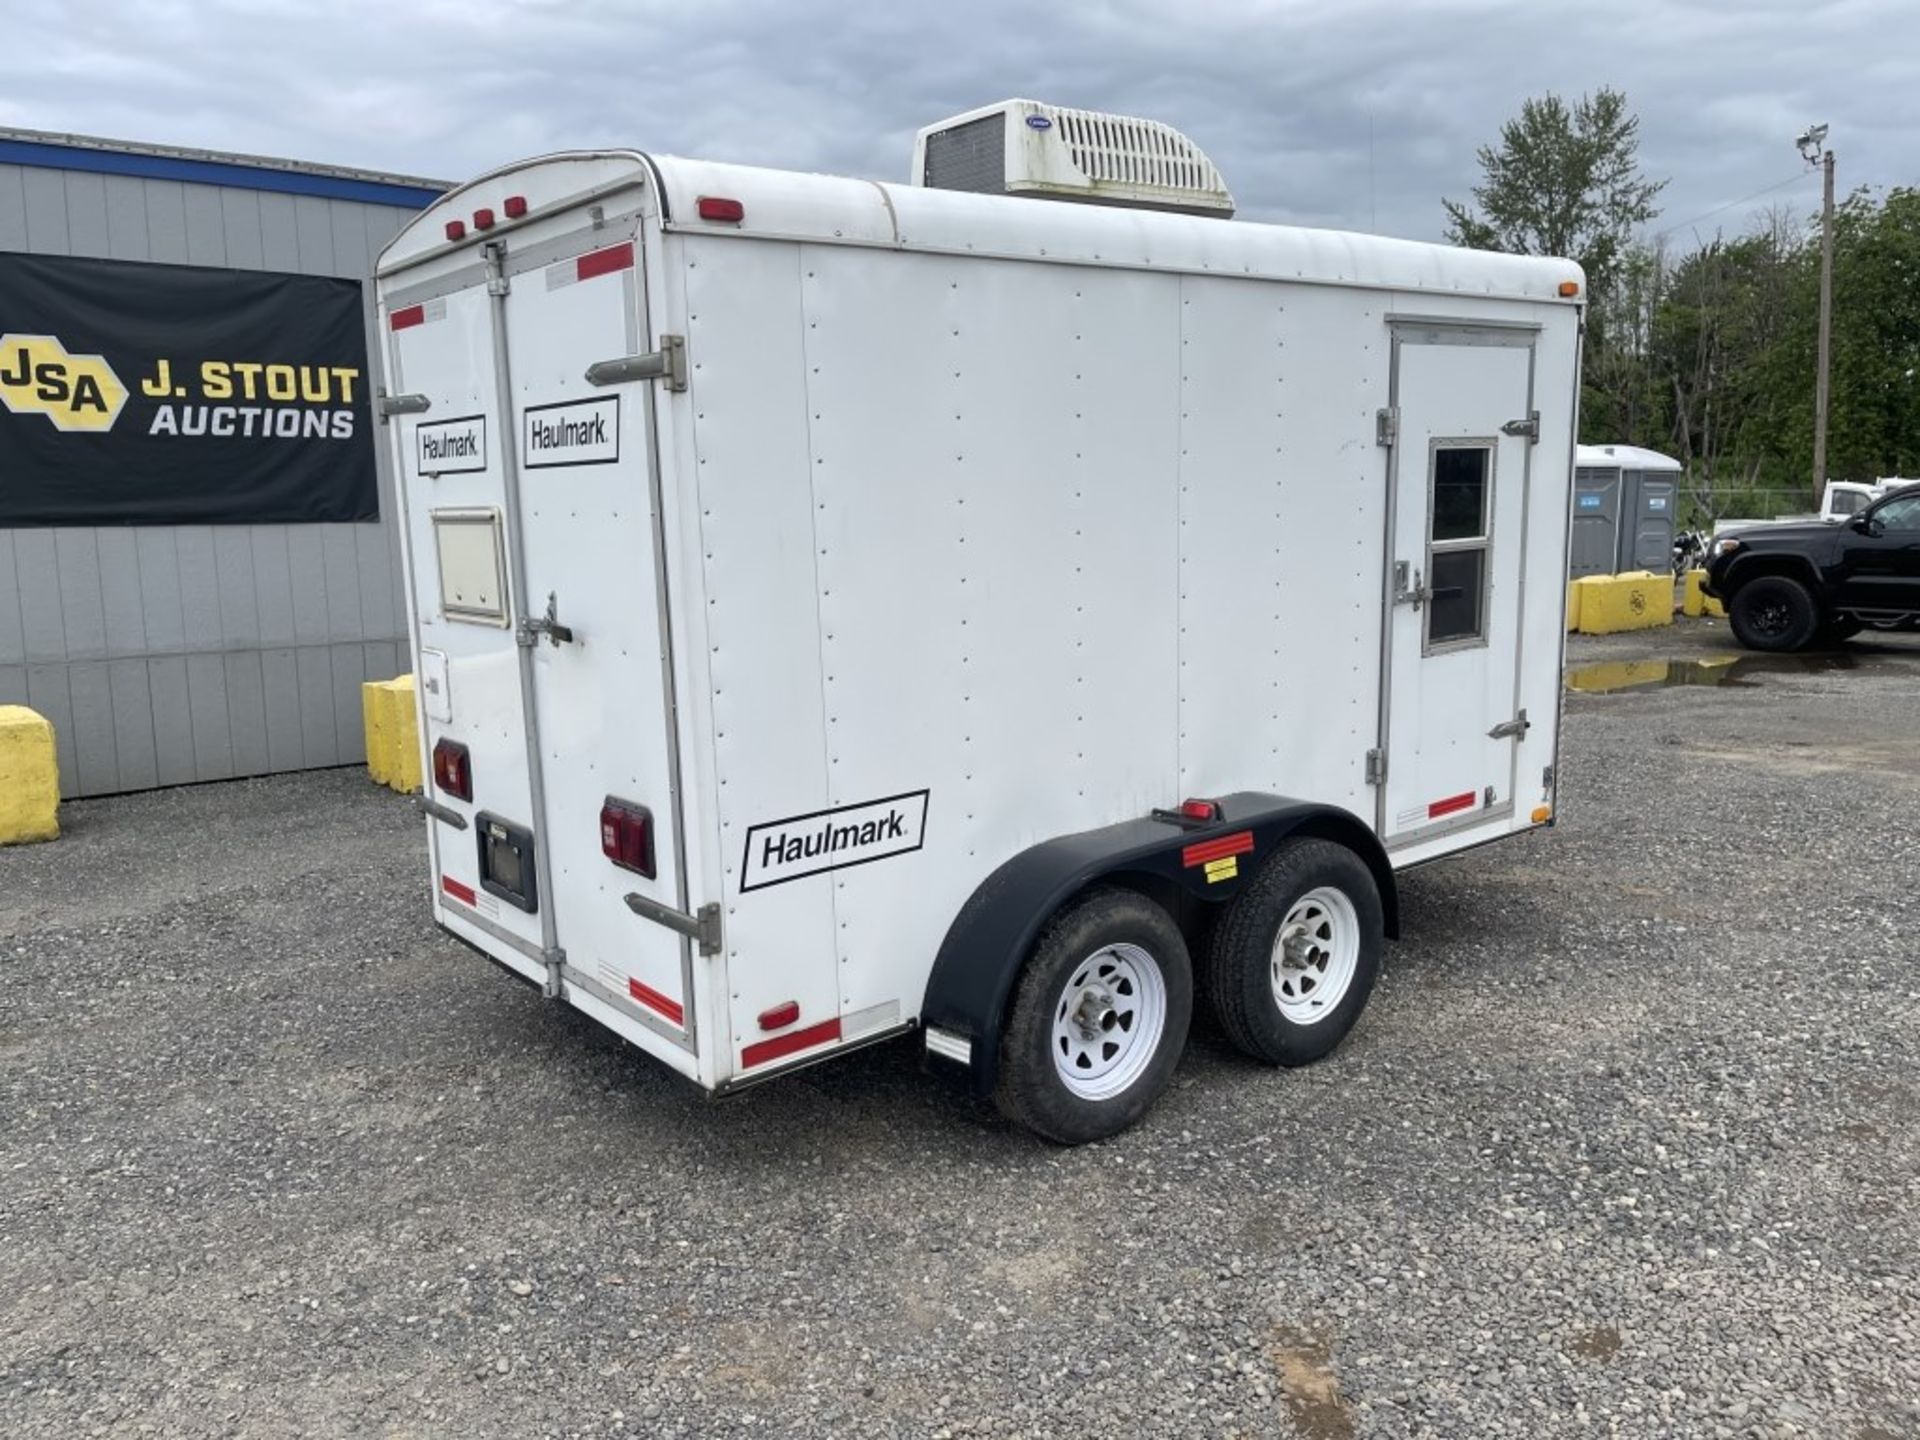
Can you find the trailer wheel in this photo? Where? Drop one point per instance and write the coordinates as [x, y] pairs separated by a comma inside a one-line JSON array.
[[1294, 958], [1098, 1019]]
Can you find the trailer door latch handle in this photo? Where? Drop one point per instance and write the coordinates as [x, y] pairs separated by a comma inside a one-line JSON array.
[[528, 632], [702, 927], [1513, 729], [1415, 594]]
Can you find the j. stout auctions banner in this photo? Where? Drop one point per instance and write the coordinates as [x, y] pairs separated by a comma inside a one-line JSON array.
[[136, 394]]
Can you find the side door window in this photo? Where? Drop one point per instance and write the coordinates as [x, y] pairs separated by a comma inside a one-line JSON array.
[[1459, 538]]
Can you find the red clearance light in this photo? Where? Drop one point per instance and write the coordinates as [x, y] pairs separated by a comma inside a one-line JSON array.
[[1203, 810], [452, 772], [456, 229], [483, 219], [408, 318], [780, 1016], [718, 207], [626, 836], [515, 206]]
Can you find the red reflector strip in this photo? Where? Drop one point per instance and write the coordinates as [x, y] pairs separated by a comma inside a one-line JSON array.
[[605, 262], [654, 1000], [1451, 805], [1238, 843], [765, 1050], [404, 319], [462, 893]]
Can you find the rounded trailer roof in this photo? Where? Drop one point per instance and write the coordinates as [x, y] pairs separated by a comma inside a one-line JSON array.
[[1624, 457], [828, 209]]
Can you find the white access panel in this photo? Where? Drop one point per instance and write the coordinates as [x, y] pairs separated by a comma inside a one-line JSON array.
[[470, 550], [1455, 391]]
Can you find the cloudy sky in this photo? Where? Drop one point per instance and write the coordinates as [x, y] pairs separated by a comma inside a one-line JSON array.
[[1354, 113]]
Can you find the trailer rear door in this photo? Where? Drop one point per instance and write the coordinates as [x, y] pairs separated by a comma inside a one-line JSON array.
[[590, 537], [1463, 397], [451, 471]]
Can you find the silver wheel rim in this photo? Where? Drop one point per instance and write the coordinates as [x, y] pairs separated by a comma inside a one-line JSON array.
[[1108, 1021], [1315, 955]]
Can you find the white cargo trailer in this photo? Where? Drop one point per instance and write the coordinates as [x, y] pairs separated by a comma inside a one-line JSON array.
[[826, 593]]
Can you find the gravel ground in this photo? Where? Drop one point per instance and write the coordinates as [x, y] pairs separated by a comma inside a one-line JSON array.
[[1626, 1145]]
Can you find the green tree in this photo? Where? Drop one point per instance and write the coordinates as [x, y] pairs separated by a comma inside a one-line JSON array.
[[1564, 180]]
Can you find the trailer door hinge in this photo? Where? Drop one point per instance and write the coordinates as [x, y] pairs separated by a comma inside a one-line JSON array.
[[1376, 767], [401, 405], [1386, 425], [702, 927], [1513, 729], [1529, 427], [668, 363], [527, 633]]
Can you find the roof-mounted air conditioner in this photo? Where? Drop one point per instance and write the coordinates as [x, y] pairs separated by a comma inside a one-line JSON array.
[[1024, 147]]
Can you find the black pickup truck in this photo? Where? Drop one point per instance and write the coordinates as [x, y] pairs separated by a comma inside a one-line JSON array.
[[1790, 586]]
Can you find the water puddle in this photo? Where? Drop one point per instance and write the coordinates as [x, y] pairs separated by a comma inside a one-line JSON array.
[[1738, 671]]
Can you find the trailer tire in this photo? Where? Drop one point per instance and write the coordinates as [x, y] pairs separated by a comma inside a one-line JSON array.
[[1774, 613], [1294, 958], [1108, 976]]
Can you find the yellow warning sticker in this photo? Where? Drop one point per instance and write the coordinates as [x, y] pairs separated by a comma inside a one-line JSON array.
[[1223, 869]]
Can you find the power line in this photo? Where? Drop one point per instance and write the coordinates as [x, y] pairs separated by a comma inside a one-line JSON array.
[[1708, 215]]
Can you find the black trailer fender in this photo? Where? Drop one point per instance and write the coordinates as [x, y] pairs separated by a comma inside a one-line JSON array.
[[991, 937]]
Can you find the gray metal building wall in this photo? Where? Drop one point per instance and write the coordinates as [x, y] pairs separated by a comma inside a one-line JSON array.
[[164, 655]]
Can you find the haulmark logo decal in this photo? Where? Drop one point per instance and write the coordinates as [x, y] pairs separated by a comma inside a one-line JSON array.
[[783, 850], [578, 432], [75, 392], [451, 447]]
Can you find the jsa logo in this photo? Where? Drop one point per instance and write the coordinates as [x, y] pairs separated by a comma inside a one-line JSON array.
[[75, 392]]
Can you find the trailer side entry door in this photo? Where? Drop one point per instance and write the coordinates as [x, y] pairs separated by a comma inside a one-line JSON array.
[[1459, 472]]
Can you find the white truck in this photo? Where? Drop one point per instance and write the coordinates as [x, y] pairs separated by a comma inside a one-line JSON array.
[[845, 609]]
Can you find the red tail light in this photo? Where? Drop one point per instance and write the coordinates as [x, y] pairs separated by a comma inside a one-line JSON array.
[[483, 219], [515, 206], [626, 836], [452, 772], [718, 207]]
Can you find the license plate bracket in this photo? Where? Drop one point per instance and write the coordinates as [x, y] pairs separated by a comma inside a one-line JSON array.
[[506, 861]]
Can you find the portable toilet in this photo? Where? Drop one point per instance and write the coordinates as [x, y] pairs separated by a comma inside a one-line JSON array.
[[1624, 500]]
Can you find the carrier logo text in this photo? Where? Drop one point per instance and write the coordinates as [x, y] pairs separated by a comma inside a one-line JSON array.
[[579, 432], [782, 850]]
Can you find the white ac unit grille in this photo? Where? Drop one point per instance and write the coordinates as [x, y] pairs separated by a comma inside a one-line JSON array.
[[1135, 152]]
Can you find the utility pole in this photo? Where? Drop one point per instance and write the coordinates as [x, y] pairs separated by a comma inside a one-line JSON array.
[[1812, 144], [1820, 383]]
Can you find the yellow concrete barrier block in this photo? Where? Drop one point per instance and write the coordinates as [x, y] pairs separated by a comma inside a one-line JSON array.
[[1639, 600], [1577, 593], [405, 775], [374, 708], [392, 724], [29, 777], [1694, 603]]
